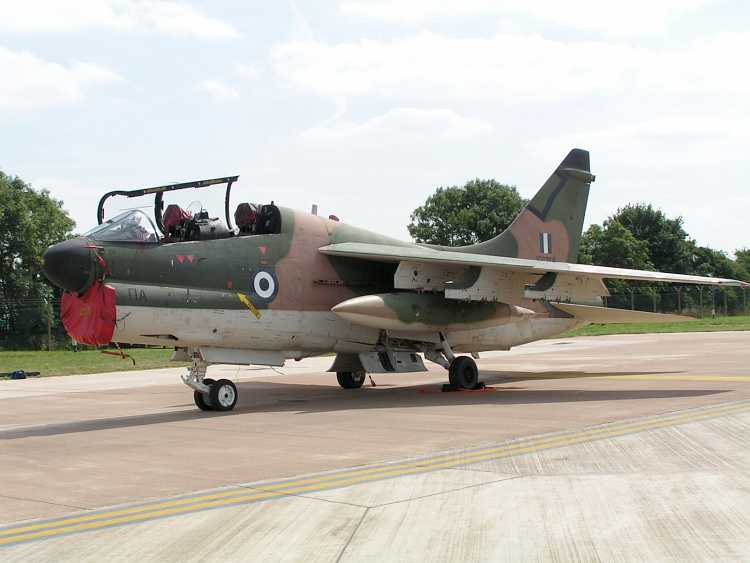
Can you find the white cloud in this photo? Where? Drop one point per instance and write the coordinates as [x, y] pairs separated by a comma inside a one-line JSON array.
[[684, 140], [301, 30], [247, 71], [610, 18], [79, 199], [509, 67], [218, 91], [155, 16], [33, 83], [401, 125]]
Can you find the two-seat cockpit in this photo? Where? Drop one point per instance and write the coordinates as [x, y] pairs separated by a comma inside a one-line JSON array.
[[175, 224]]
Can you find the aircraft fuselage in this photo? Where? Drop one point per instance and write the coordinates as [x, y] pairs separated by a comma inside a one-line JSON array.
[[270, 293]]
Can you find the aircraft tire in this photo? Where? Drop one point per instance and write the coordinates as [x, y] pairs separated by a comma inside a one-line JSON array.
[[351, 379], [200, 399], [223, 395], [463, 373]]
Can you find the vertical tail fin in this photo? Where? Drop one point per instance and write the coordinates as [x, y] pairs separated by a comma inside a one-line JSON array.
[[550, 226]]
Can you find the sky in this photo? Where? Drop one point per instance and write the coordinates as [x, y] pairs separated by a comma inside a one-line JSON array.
[[365, 107]]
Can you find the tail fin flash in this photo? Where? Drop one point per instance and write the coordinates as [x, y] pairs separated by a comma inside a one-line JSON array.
[[549, 227]]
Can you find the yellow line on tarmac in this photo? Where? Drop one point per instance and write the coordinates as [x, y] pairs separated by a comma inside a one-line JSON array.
[[259, 492]]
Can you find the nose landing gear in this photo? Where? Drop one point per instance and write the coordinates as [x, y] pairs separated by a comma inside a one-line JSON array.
[[210, 395]]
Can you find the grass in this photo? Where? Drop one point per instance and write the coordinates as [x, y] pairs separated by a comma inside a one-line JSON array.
[[64, 362], [698, 325]]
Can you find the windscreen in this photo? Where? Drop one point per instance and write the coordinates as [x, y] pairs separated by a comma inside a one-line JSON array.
[[129, 226]]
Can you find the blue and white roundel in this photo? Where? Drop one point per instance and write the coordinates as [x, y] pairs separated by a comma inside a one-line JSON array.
[[264, 284]]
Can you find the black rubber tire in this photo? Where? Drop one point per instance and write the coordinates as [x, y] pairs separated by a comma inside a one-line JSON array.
[[223, 395], [463, 373], [201, 400], [351, 379]]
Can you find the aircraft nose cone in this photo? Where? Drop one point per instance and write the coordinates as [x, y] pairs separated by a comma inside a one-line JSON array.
[[69, 265]]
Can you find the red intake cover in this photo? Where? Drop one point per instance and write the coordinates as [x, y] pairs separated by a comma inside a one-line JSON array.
[[90, 318]]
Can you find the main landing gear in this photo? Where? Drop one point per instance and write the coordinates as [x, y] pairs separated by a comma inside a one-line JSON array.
[[210, 395], [463, 373], [462, 370], [351, 379]]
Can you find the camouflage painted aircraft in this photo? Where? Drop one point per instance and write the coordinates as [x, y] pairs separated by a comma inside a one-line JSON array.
[[286, 285]]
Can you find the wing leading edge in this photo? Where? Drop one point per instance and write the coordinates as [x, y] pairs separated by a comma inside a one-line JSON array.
[[388, 253]]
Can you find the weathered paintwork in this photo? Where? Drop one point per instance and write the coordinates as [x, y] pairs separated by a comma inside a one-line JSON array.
[[418, 312], [320, 285], [556, 213]]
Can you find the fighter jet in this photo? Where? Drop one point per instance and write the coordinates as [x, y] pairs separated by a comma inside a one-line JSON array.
[[283, 284]]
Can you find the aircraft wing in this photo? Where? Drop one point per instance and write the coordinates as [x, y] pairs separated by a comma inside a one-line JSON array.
[[422, 254]]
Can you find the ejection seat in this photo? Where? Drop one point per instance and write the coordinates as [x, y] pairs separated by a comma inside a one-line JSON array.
[[175, 220], [246, 218], [181, 225], [252, 219]]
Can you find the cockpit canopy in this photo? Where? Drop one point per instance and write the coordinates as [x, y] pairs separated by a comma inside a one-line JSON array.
[[128, 226], [179, 225]]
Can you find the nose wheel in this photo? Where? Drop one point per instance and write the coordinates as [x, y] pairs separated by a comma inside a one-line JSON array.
[[201, 399], [222, 396], [210, 395]]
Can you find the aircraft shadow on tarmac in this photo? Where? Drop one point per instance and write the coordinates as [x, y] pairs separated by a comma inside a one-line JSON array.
[[271, 396]]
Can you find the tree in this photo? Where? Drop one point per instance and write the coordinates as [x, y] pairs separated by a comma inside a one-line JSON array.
[[710, 262], [475, 212], [614, 245], [30, 221], [669, 247], [743, 261]]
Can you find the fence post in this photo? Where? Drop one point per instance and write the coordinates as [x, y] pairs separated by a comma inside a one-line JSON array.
[[713, 302], [653, 296], [744, 299], [700, 308], [49, 325], [679, 300], [726, 308], [632, 299]]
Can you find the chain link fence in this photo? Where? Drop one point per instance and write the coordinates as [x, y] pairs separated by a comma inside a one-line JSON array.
[[696, 301], [32, 323]]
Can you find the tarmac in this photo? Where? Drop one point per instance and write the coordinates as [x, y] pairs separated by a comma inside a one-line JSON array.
[[616, 448]]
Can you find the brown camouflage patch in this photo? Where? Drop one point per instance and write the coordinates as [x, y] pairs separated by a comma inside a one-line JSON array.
[[527, 230], [299, 270]]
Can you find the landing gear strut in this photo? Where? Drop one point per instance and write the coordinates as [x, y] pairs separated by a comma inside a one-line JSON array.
[[462, 370], [210, 395]]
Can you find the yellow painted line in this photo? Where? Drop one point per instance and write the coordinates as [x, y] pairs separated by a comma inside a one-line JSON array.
[[635, 377], [686, 377], [240, 495], [421, 465], [249, 304]]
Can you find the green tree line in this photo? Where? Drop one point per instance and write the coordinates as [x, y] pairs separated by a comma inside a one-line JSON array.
[[636, 236], [30, 221]]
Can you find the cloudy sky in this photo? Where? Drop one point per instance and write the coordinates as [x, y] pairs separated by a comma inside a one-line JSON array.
[[366, 106]]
